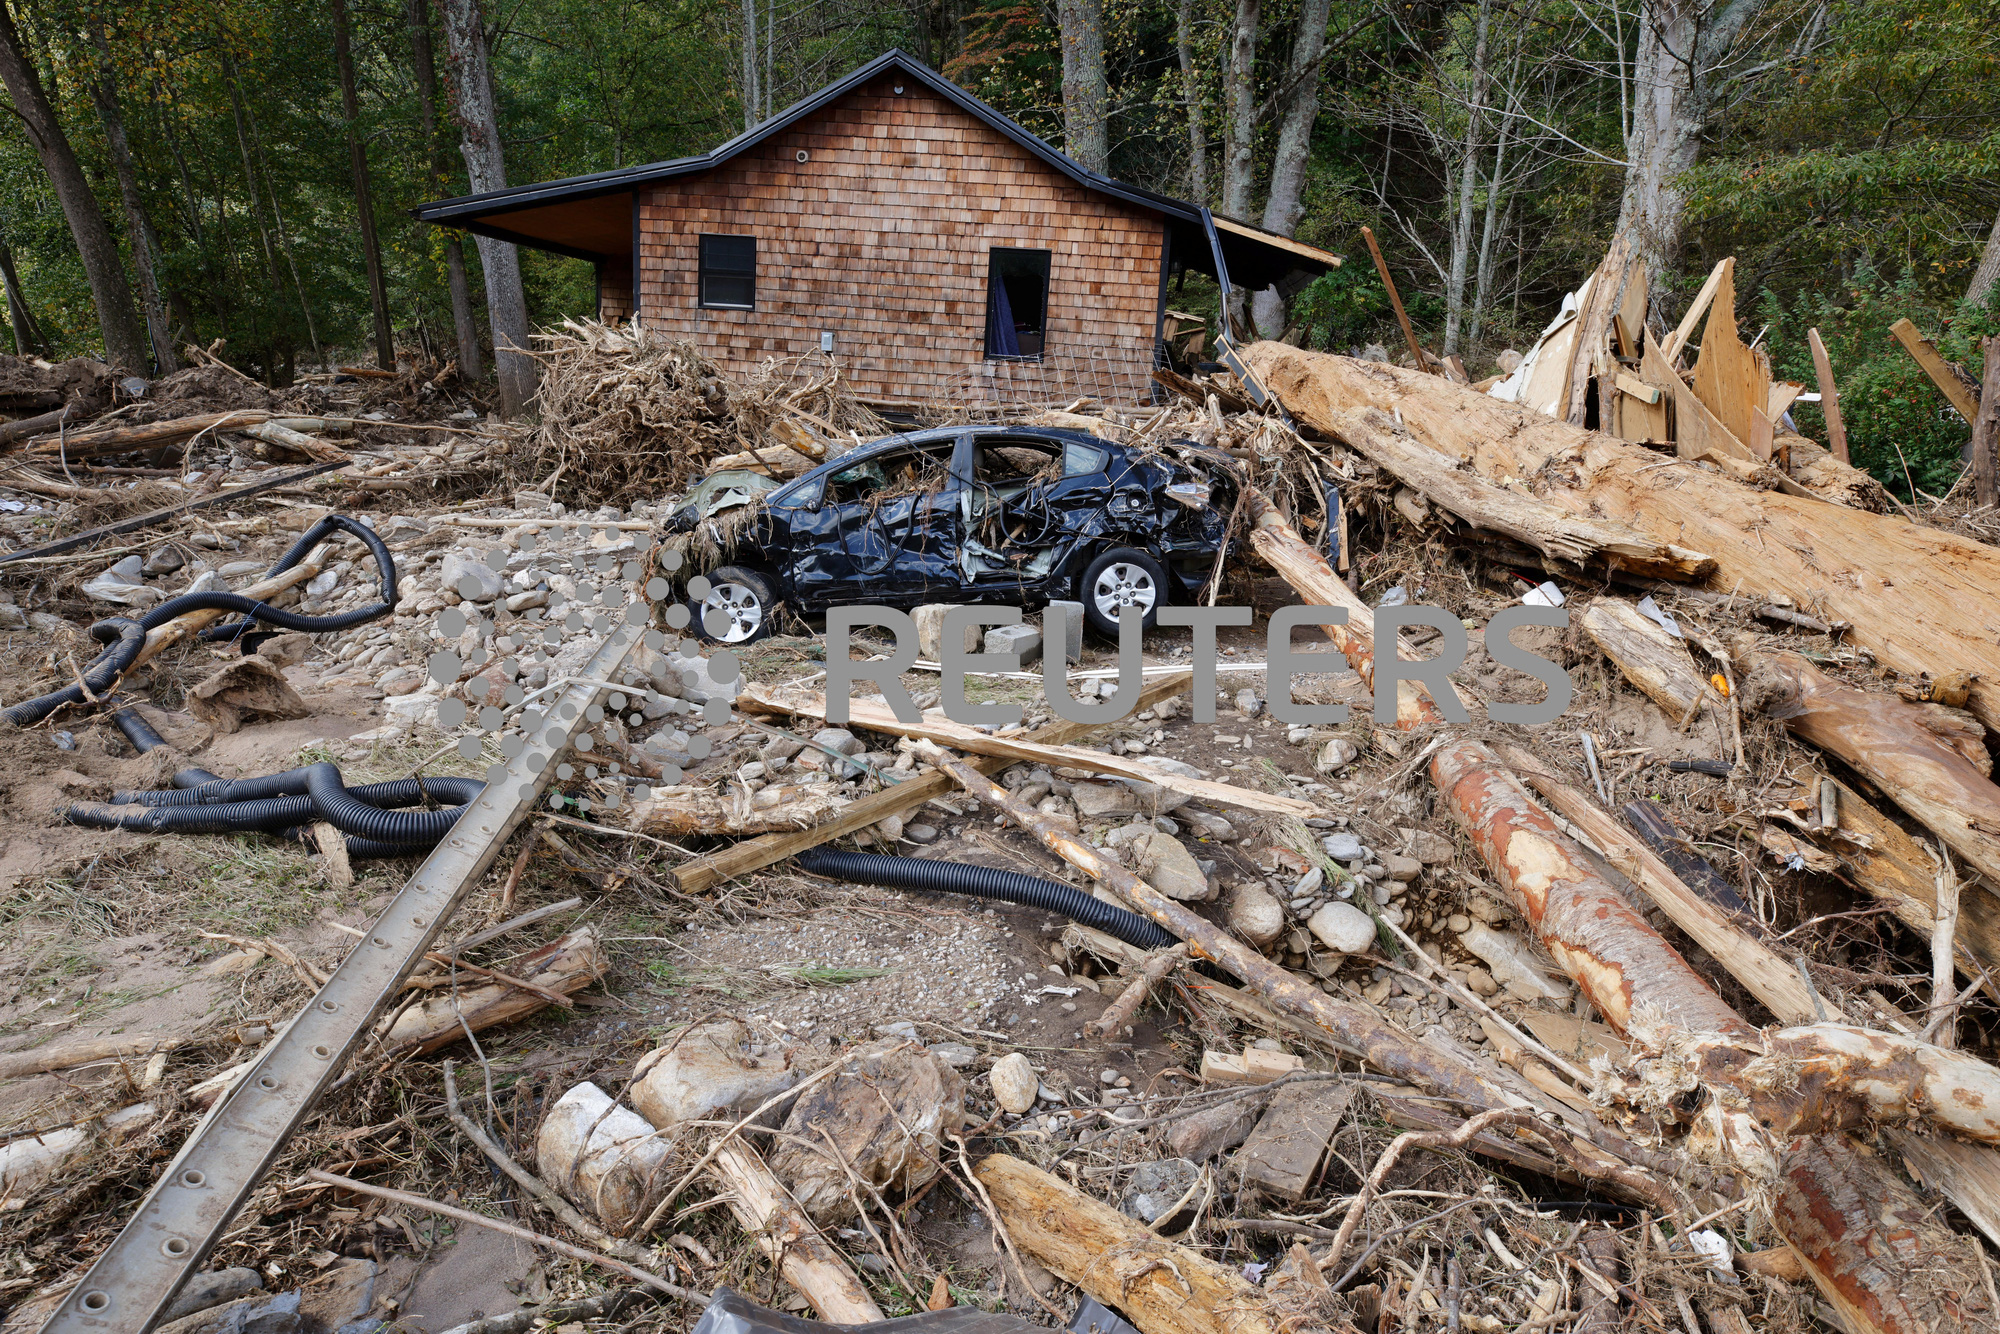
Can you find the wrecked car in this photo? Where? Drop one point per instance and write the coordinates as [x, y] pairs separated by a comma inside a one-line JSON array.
[[970, 515]]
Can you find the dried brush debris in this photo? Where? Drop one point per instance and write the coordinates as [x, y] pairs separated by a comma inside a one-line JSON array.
[[628, 411]]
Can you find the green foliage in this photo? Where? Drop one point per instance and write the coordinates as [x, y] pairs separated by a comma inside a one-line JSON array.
[[1899, 426]]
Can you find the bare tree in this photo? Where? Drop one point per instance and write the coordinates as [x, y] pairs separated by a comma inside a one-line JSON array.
[[1086, 92], [117, 316], [752, 97], [1679, 73], [1191, 94], [138, 227], [364, 197], [1299, 98], [1468, 178], [470, 363], [471, 77], [1239, 92]]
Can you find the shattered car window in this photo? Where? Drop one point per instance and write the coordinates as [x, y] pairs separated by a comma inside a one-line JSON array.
[[1080, 459]]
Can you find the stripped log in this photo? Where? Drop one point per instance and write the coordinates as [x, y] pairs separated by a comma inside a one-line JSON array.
[[566, 966], [1163, 1288], [1482, 504], [1892, 744], [1845, 1212], [766, 1210], [1916, 597], [1649, 657], [150, 435]]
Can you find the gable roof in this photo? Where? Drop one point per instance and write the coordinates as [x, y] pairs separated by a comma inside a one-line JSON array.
[[550, 215]]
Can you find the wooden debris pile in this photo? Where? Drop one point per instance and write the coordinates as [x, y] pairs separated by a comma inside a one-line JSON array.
[[629, 411]]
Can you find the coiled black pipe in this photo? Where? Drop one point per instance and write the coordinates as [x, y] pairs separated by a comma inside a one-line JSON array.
[[143, 738], [125, 637], [926, 876]]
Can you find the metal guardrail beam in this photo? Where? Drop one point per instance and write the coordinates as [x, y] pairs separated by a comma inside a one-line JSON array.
[[183, 1216]]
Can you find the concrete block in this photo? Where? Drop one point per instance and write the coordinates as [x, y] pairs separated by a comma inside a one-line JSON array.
[[1023, 642], [929, 620], [1072, 627]]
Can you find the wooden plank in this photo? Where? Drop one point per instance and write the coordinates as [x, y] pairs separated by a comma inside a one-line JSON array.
[[151, 517], [1696, 430], [756, 853], [936, 727], [1602, 298], [1677, 340], [1671, 846], [1784, 393], [1283, 1154], [1732, 380], [1630, 320], [1637, 388], [1933, 362], [1829, 397], [1396, 300]]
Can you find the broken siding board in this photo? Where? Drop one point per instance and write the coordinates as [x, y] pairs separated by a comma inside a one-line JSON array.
[[1696, 430], [1677, 341], [1734, 381], [1283, 1154]]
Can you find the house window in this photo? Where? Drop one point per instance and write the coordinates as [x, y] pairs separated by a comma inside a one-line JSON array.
[[729, 273], [1017, 302]]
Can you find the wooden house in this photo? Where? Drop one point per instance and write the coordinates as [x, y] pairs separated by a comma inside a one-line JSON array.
[[935, 248]]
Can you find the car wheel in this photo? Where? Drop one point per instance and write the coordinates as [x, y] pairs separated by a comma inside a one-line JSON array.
[[1120, 578], [732, 605]]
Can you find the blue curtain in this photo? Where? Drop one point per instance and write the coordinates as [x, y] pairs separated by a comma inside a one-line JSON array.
[[1000, 337]]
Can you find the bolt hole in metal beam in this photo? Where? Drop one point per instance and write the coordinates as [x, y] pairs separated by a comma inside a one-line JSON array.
[[178, 1223]]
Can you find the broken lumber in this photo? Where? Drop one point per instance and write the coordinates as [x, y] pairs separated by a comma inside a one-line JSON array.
[[766, 1210], [1649, 657], [755, 853], [1163, 1288], [1915, 596], [1829, 396], [1677, 341], [1283, 1154], [1926, 355], [1888, 742], [1482, 504], [873, 717], [1606, 299], [566, 965], [1734, 381], [1418, 356], [1835, 1206], [1668, 843], [1698, 432]]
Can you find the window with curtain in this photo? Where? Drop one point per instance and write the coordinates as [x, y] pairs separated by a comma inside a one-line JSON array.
[[1017, 302]]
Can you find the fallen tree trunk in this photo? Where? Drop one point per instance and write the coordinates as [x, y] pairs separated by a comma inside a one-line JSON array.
[[1916, 597], [1888, 742], [1545, 527], [874, 717], [83, 1051], [1819, 472], [1649, 657], [1837, 1208], [151, 435], [1162, 1287]]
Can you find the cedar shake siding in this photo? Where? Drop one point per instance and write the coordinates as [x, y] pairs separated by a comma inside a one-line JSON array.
[[883, 237]]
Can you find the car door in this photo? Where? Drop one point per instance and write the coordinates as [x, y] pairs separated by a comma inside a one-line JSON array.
[[884, 529], [1030, 500]]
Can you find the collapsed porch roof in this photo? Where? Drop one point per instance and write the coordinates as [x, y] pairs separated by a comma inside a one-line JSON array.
[[590, 217]]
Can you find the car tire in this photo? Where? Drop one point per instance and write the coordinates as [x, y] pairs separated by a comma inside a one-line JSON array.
[[747, 600], [1118, 578]]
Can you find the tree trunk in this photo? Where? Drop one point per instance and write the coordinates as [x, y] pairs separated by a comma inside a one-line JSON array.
[[1468, 179], [28, 340], [752, 97], [138, 228], [117, 317], [486, 168], [1191, 91], [364, 200], [767, 1211], [1913, 595], [471, 365], [1288, 165], [1681, 44], [1240, 110], [1086, 97], [1988, 271]]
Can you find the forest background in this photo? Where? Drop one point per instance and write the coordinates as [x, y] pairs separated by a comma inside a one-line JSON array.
[[181, 171]]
